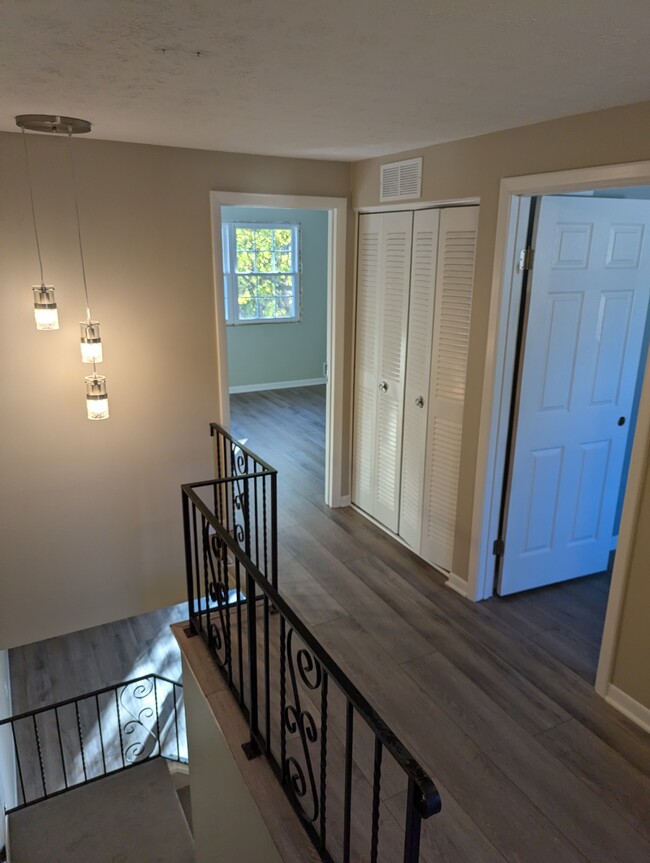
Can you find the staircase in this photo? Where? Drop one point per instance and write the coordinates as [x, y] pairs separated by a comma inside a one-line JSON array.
[[101, 777], [130, 817]]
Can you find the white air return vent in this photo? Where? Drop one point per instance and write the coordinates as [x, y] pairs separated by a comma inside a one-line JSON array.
[[399, 181]]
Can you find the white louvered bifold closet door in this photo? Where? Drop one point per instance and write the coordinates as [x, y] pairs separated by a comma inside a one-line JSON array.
[[451, 324], [384, 265], [366, 362], [418, 370]]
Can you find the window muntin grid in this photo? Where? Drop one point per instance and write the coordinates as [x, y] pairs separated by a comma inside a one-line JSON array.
[[261, 272]]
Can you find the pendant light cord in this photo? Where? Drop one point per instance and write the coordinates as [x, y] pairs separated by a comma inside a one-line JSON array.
[[31, 199], [76, 206]]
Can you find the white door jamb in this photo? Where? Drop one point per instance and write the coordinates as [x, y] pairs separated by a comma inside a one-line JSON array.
[[337, 437]]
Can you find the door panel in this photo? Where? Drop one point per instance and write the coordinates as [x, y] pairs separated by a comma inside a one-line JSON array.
[[382, 316], [395, 250], [452, 316], [418, 370], [586, 317], [365, 378]]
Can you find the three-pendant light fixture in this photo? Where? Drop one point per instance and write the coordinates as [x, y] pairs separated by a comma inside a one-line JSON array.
[[45, 308]]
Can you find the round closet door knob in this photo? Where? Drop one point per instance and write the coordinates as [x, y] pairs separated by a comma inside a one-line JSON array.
[[383, 386], [621, 421], [419, 402]]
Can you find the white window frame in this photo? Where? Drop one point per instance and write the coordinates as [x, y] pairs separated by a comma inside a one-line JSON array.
[[229, 250]]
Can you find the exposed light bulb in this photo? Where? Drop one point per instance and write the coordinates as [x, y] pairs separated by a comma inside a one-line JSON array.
[[96, 397], [91, 343], [45, 311]]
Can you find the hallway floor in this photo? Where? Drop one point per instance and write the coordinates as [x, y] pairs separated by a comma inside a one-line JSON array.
[[495, 698]]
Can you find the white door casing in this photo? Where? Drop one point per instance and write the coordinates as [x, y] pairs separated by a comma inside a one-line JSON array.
[[418, 370], [585, 322], [452, 315]]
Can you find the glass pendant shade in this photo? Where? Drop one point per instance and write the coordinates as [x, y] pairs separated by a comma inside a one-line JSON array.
[[45, 311], [91, 343], [96, 397]]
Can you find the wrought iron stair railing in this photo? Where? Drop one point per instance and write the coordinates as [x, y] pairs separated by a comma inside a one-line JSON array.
[[77, 741], [336, 759]]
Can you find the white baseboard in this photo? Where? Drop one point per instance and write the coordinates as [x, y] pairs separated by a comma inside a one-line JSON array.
[[628, 706], [277, 385], [456, 583]]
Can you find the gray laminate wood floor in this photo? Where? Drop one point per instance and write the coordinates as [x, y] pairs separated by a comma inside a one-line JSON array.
[[496, 699]]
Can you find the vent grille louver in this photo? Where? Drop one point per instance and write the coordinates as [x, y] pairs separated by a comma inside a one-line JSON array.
[[400, 181]]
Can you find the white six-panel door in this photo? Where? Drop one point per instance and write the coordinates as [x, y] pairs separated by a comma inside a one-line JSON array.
[[586, 319]]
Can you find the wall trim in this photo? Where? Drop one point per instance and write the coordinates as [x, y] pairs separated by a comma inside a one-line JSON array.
[[456, 583], [277, 385], [628, 706]]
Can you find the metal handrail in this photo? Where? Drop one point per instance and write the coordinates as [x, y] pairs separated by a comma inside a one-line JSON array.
[[245, 499], [45, 770], [27, 713], [430, 797], [214, 556]]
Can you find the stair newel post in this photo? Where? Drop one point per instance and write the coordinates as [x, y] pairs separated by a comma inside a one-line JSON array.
[[274, 529], [413, 826], [252, 748], [188, 560]]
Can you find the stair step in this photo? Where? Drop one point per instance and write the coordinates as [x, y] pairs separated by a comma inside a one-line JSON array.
[[131, 817]]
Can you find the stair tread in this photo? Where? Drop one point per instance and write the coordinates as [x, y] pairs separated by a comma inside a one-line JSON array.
[[131, 816]]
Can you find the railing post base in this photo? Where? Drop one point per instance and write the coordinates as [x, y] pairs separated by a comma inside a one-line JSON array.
[[251, 749], [190, 631]]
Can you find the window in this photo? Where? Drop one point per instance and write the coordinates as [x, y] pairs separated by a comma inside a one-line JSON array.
[[261, 268]]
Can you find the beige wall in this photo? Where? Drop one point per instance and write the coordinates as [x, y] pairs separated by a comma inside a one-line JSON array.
[[91, 526], [474, 168], [226, 823], [632, 665]]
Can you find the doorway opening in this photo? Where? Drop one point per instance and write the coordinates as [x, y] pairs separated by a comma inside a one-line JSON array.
[[280, 300], [572, 342]]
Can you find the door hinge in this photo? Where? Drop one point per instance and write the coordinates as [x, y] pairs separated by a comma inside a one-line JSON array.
[[498, 547], [525, 260]]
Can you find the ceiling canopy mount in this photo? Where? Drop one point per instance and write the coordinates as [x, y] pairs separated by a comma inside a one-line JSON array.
[[53, 123]]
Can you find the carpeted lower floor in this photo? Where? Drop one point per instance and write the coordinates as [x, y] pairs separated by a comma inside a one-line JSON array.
[[132, 817]]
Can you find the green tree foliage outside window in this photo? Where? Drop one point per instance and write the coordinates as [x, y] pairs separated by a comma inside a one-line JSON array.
[[261, 272]]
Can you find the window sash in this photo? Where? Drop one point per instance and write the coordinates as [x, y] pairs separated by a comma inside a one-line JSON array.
[[267, 288]]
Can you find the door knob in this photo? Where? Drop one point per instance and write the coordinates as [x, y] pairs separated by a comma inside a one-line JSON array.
[[383, 386], [621, 421], [419, 402]]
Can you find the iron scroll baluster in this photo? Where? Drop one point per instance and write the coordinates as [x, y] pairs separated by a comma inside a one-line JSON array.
[[299, 720], [52, 740]]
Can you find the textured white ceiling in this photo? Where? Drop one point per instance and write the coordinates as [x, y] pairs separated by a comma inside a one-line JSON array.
[[339, 79]]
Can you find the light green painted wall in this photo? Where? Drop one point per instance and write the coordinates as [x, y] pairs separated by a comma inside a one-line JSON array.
[[279, 352]]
